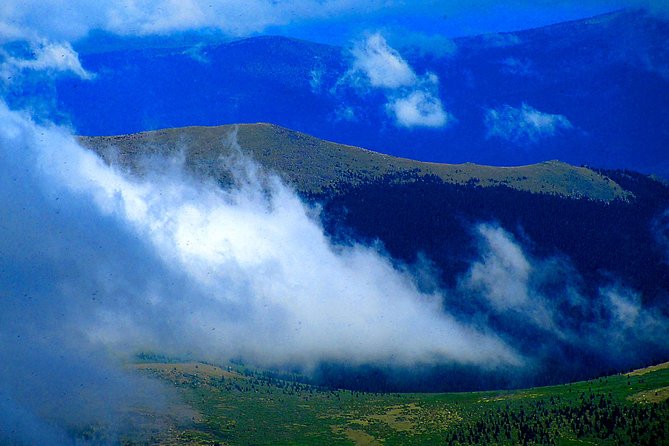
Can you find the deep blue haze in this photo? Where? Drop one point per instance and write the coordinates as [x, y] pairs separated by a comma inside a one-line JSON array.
[[608, 78]]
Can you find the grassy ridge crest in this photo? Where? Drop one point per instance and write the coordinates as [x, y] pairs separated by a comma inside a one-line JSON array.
[[312, 165]]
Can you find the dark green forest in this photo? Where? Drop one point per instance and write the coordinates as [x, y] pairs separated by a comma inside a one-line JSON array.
[[587, 245], [413, 214]]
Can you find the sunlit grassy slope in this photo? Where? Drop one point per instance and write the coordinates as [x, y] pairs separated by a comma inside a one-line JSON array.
[[237, 406], [312, 165]]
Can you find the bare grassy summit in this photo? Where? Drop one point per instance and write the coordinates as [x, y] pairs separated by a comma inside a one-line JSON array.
[[312, 165]]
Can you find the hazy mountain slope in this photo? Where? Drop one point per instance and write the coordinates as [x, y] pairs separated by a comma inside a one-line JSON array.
[[606, 80], [427, 217], [609, 76], [313, 166], [618, 241], [259, 79]]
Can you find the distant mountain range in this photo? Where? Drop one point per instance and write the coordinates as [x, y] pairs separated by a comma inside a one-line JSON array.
[[591, 92]]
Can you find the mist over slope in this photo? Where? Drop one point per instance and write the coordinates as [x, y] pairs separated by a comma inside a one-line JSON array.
[[587, 92], [98, 264], [546, 270], [269, 247], [428, 207], [104, 259]]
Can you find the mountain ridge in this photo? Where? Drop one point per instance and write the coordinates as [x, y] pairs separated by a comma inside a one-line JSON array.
[[603, 80], [313, 165]]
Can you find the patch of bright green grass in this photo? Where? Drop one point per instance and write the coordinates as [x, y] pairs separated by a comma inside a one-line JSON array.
[[248, 407]]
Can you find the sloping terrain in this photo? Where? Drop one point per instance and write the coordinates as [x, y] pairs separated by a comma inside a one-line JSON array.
[[237, 405], [313, 166], [580, 231]]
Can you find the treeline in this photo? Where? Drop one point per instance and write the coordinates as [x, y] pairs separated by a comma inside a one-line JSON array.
[[412, 214], [615, 243], [545, 422]]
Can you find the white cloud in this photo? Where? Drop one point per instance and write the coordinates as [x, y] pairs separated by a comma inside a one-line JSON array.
[[73, 19], [56, 57], [316, 79], [629, 320], [504, 277], [503, 273], [625, 306], [418, 109], [516, 288], [198, 53], [346, 113], [93, 259], [382, 65], [411, 100], [524, 125]]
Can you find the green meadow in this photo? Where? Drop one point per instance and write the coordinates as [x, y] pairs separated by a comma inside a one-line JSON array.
[[233, 405]]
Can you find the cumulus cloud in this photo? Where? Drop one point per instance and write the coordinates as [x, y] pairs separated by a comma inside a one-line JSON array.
[[411, 100], [383, 66], [418, 109], [524, 125], [97, 265]]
